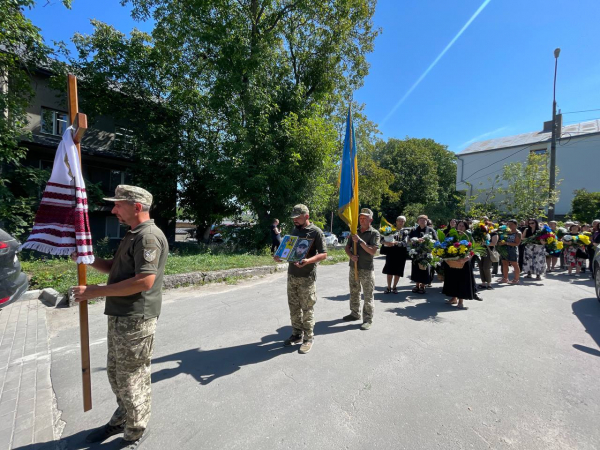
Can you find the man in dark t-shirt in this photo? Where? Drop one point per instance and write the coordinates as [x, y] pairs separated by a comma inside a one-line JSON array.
[[133, 303], [367, 240], [302, 276]]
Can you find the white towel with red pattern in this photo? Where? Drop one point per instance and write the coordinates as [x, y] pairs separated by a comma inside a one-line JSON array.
[[61, 223]]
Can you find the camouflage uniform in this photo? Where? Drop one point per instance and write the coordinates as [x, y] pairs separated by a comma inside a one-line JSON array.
[[301, 287], [132, 318], [130, 346], [302, 296], [366, 279]]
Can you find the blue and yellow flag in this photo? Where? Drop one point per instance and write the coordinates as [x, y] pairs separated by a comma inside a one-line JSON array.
[[348, 204]]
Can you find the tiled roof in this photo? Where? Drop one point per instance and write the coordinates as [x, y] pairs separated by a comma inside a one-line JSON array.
[[569, 131]]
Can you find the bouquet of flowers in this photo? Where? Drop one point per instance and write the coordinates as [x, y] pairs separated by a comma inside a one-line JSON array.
[[387, 230], [419, 250], [481, 233], [561, 232], [553, 246], [502, 236], [455, 249], [582, 239], [579, 242], [541, 236]]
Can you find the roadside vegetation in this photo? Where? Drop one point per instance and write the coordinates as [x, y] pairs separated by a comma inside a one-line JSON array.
[[61, 273]]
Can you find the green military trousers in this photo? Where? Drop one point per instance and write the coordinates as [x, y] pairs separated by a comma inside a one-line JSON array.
[[366, 280], [302, 296], [130, 346]]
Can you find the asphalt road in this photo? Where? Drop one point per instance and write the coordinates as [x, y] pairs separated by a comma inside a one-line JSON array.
[[520, 370]]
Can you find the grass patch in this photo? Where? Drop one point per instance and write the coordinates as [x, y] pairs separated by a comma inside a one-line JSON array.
[[61, 273]]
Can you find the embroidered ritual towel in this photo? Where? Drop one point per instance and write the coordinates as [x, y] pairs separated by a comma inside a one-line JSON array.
[[61, 223]]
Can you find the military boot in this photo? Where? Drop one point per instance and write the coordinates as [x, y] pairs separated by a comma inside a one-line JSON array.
[[306, 346], [104, 432], [292, 340], [132, 445]]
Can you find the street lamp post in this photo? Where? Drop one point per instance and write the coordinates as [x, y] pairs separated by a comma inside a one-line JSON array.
[[553, 143]]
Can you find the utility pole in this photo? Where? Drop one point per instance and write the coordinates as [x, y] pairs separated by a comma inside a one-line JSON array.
[[553, 143]]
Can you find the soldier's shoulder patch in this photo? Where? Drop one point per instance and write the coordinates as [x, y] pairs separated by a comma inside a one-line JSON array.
[[150, 255]]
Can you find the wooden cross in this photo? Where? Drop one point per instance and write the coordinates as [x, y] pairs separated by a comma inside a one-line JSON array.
[[79, 122]]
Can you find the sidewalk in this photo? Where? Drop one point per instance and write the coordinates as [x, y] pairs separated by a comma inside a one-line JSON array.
[[26, 390]]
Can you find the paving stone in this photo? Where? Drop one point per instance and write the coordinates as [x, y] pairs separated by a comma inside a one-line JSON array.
[[22, 438], [9, 395], [25, 406], [7, 421], [24, 422], [45, 434], [43, 403], [12, 384], [8, 406], [5, 438]]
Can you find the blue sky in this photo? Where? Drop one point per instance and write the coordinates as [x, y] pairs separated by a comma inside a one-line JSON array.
[[494, 80]]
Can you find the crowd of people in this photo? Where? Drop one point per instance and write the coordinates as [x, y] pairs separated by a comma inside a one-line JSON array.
[[134, 288], [529, 247]]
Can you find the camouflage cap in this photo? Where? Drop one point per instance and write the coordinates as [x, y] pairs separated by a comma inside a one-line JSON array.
[[134, 194], [299, 210], [366, 212]]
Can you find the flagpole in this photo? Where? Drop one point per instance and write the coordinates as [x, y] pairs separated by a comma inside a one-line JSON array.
[[84, 332]]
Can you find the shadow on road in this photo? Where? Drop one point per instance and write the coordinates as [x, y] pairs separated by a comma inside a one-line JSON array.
[[339, 298], [428, 310], [74, 442], [587, 311], [208, 365]]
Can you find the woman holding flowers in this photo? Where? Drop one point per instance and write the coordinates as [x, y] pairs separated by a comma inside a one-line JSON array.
[[534, 260], [459, 283], [395, 255], [552, 250], [489, 240], [508, 246], [421, 276], [451, 226]]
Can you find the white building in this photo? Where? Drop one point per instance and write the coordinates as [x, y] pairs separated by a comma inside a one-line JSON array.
[[576, 152]]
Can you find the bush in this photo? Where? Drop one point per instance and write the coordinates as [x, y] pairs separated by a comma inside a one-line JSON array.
[[585, 206]]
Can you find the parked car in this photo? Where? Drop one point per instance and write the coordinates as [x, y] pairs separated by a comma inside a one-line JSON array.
[[344, 236], [331, 239], [13, 282]]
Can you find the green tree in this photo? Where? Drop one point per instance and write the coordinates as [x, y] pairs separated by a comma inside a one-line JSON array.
[[482, 201], [525, 192], [585, 206], [256, 84], [22, 51], [424, 176]]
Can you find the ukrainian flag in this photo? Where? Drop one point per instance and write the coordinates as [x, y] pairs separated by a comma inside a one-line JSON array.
[[348, 204]]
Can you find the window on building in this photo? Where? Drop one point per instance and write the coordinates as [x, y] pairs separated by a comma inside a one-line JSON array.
[[118, 177], [114, 229], [123, 139], [53, 122], [539, 151]]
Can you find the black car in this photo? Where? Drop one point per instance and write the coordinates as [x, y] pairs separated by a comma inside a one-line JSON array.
[[13, 282]]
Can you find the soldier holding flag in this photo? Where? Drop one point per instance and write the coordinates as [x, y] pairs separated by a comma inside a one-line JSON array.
[[367, 240]]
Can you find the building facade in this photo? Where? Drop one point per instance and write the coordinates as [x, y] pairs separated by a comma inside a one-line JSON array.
[[576, 149], [108, 154]]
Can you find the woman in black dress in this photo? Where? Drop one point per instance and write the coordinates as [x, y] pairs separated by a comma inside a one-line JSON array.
[[395, 256], [419, 276], [460, 283]]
